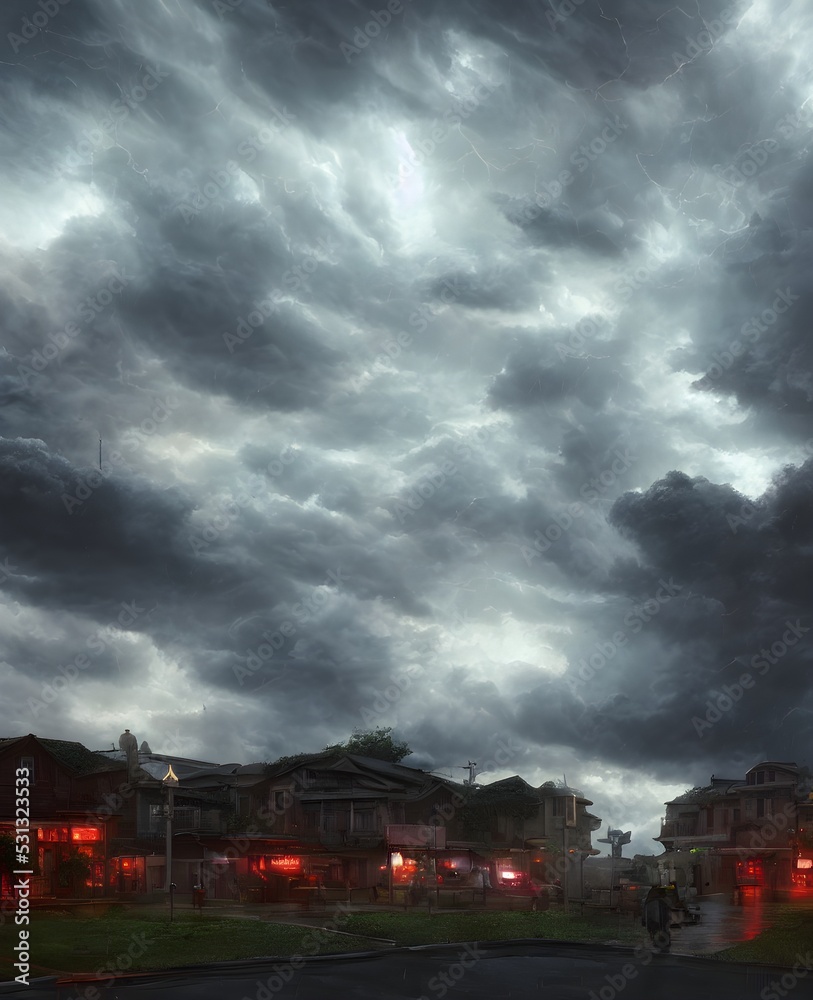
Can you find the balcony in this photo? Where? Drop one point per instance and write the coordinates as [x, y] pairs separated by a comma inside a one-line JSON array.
[[186, 819], [677, 828]]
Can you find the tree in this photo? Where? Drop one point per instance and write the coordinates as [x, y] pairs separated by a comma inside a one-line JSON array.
[[701, 794], [376, 743], [73, 870]]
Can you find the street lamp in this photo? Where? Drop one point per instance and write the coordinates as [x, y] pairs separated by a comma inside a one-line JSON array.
[[170, 782]]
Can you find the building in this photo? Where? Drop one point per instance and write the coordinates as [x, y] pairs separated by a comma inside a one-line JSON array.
[[331, 820], [739, 834], [98, 818], [543, 833], [69, 839], [341, 823], [329, 824]]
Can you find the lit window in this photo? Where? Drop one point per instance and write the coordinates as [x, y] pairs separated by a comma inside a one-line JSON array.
[[85, 833]]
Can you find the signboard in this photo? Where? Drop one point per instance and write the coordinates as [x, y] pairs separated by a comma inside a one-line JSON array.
[[428, 837], [286, 863]]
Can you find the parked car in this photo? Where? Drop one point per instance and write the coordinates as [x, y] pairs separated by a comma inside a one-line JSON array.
[[539, 894]]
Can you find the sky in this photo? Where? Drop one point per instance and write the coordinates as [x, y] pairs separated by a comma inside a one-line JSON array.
[[451, 372]]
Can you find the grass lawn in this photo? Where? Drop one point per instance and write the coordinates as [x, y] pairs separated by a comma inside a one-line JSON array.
[[788, 941], [134, 942]]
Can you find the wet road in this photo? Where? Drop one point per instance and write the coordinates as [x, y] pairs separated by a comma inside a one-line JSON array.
[[722, 925], [517, 970]]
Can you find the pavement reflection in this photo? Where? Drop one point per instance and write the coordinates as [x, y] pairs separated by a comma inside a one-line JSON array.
[[722, 925]]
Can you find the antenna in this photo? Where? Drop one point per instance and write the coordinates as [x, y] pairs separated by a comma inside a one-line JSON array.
[[470, 768]]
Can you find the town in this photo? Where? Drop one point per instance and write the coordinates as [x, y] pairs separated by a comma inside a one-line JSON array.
[[352, 823]]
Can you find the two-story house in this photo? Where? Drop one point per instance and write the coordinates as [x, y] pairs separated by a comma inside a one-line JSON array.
[[323, 820], [66, 782], [542, 833], [369, 824], [735, 833], [109, 808]]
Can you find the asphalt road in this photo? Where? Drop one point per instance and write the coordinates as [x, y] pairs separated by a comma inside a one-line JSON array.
[[517, 969]]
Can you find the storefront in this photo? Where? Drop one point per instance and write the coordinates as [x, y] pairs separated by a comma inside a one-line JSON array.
[[414, 873], [70, 860]]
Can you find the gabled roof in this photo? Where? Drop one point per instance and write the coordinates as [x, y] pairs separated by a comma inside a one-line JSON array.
[[72, 755], [787, 765], [333, 760]]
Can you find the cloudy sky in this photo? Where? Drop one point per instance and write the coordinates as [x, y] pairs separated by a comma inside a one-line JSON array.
[[450, 367]]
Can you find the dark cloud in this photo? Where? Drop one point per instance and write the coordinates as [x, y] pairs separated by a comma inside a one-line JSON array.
[[476, 344]]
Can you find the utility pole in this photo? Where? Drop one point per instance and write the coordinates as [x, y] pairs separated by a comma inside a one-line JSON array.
[[470, 768], [566, 886]]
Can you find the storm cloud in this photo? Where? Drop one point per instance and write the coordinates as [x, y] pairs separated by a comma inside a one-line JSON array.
[[468, 346]]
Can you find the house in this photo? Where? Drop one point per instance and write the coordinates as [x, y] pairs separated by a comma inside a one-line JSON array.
[[108, 808], [329, 822], [328, 819], [66, 782], [737, 834], [377, 827], [543, 833]]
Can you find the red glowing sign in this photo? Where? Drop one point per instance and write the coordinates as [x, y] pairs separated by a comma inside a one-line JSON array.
[[85, 833], [286, 862]]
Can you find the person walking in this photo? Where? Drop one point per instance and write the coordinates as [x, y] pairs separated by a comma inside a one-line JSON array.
[[656, 916]]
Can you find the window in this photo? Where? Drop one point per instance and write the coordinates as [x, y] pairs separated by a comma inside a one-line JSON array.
[[329, 780], [760, 808], [565, 806], [29, 763], [281, 801], [49, 834], [186, 818], [243, 803], [336, 817], [771, 775], [85, 833], [735, 816], [364, 821], [310, 817], [749, 807], [156, 817], [760, 777]]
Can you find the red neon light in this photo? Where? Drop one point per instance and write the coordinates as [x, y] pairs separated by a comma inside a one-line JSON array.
[[86, 833], [286, 862]]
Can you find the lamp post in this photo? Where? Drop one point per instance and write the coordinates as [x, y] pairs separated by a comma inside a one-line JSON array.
[[170, 782]]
